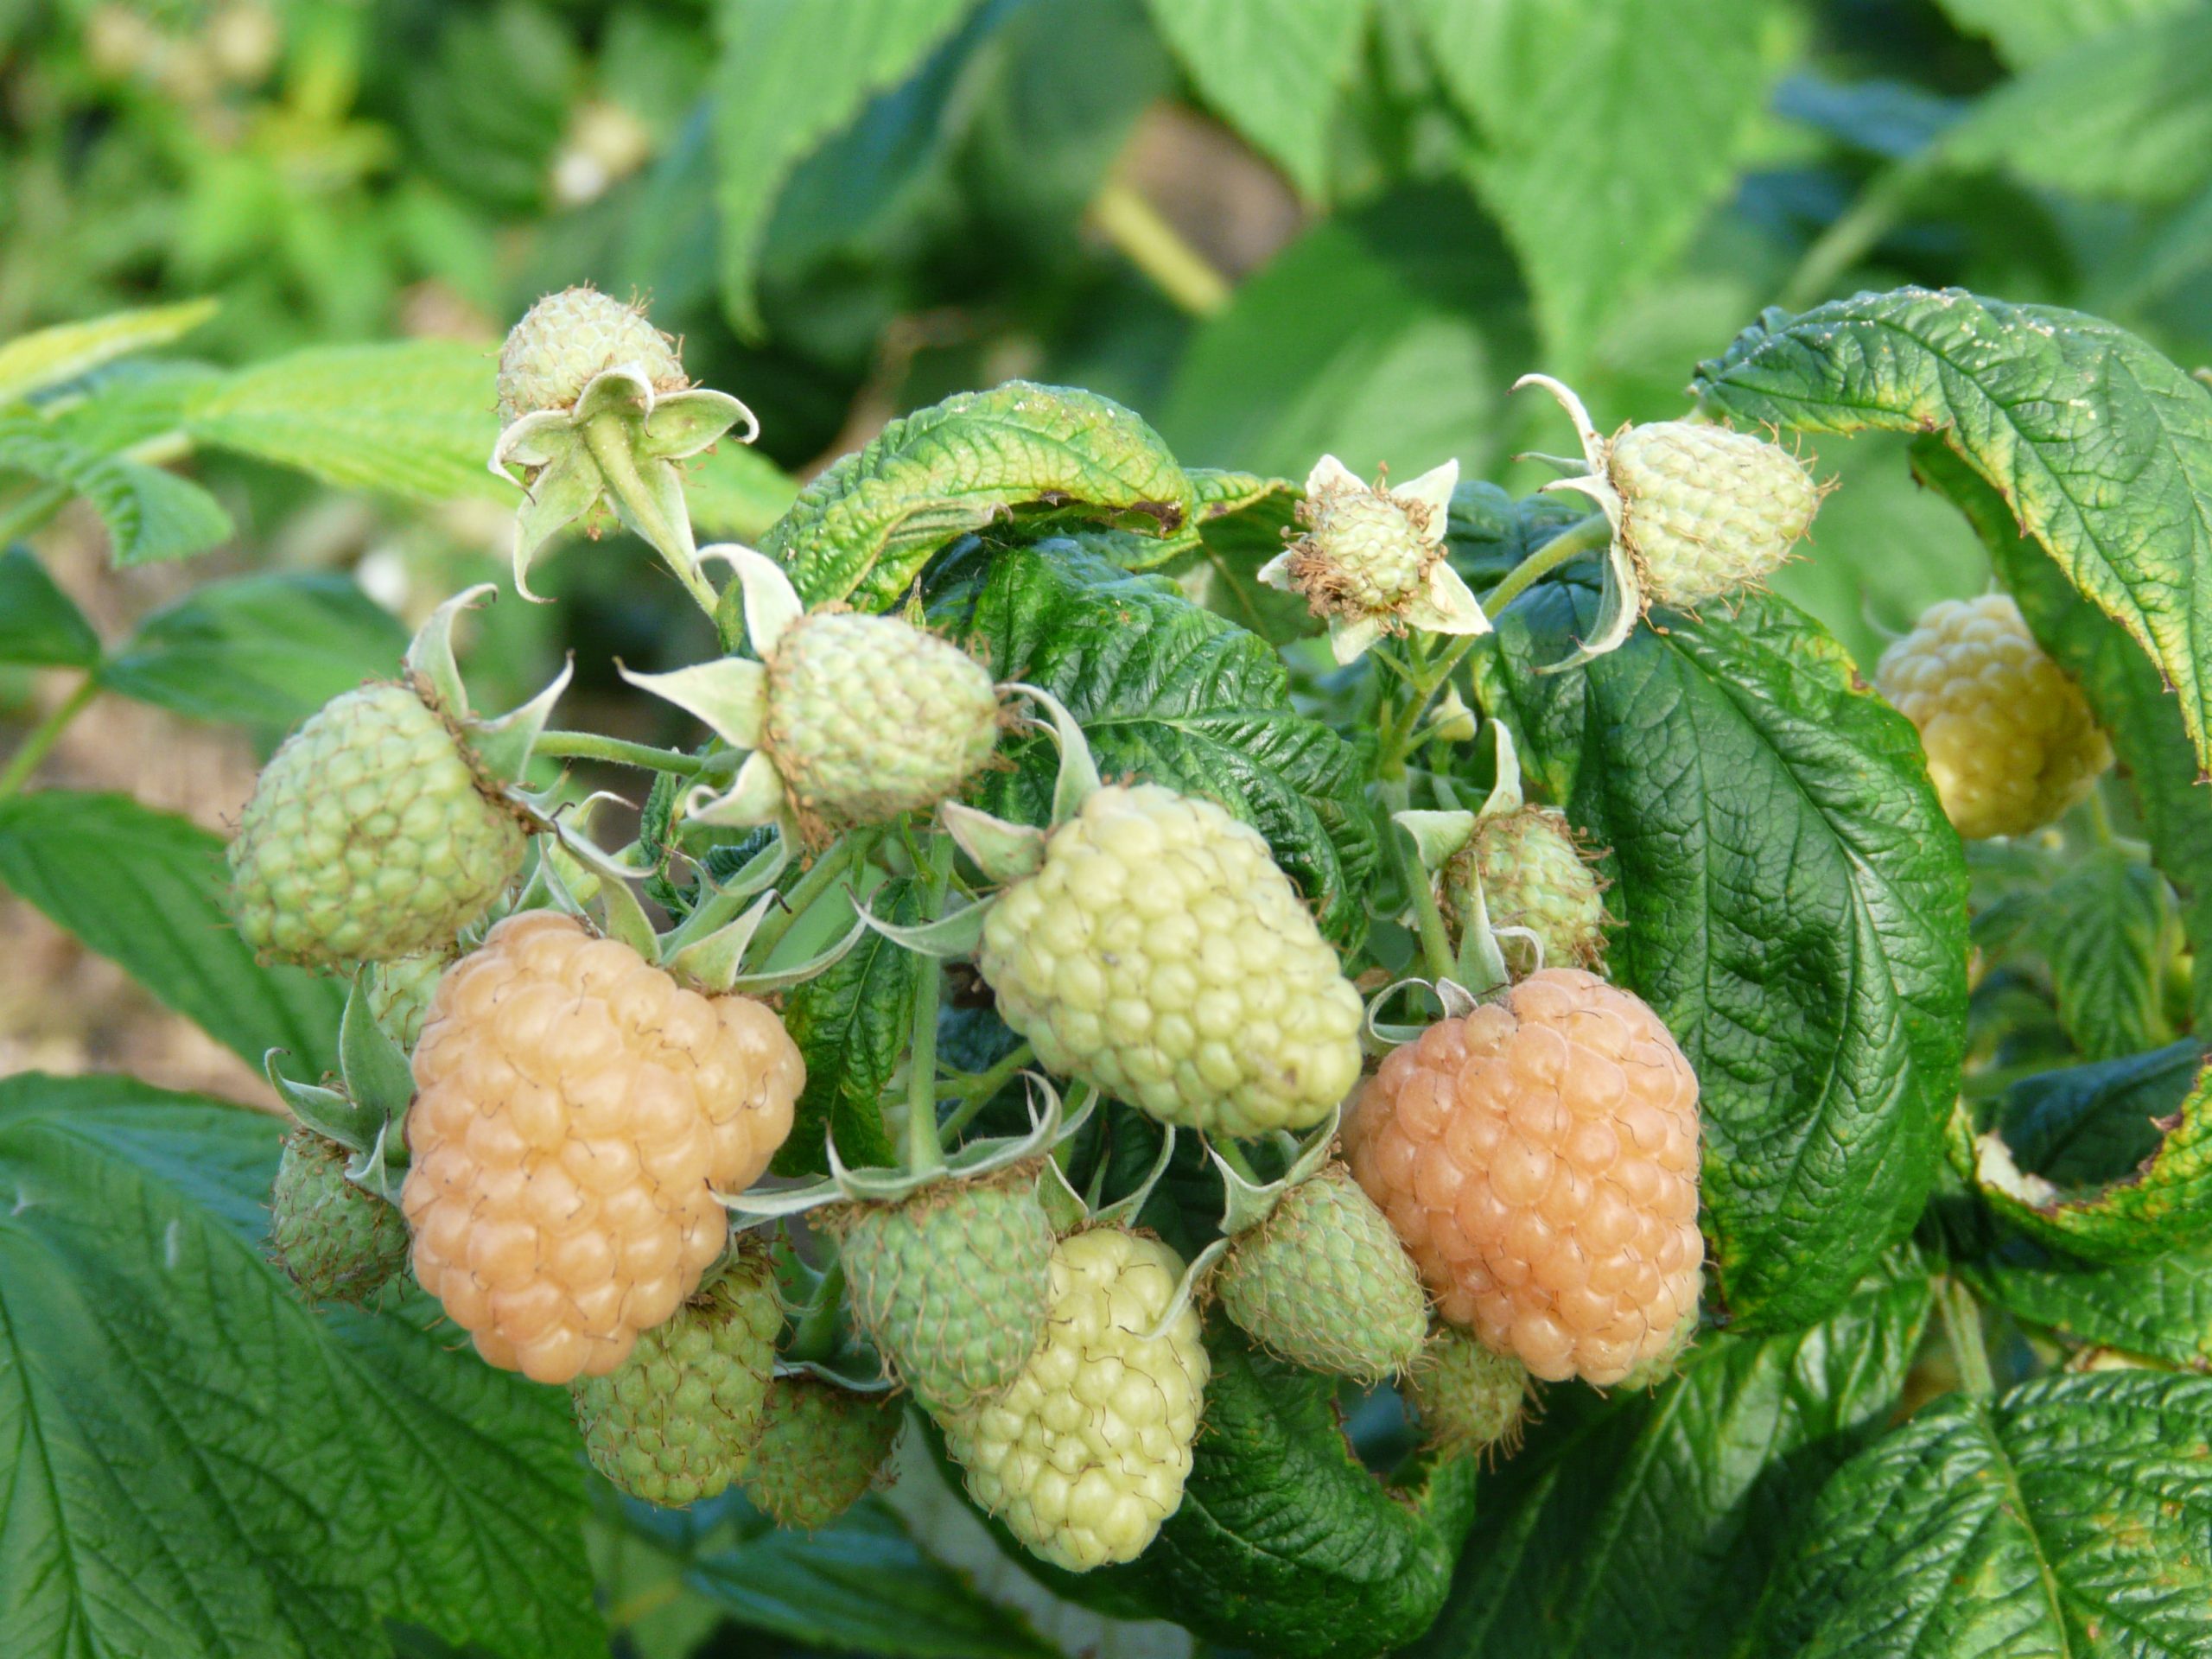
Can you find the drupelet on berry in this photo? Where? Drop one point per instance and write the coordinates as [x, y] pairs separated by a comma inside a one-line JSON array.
[[1161, 954], [1469, 1398], [1539, 1157], [2011, 741], [337, 1241], [1535, 875], [567, 338], [1706, 511], [821, 1448], [370, 836], [677, 1421], [577, 1112], [1086, 1454]]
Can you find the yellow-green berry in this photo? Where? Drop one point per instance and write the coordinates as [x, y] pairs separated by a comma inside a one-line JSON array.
[[567, 338], [338, 1242], [1535, 875], [1706, 511], [821, 1448]]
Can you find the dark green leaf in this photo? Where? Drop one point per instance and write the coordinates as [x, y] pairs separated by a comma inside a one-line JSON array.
[[853, 1024], [790, 76], [1794, 903], [151, 515], [1275, 69], [1243, 521], [146, 890], [864, 1587], [39, 624], [268, 650], [2068, 1516], [2100, 448], [1174, 695], [201, 1468], [2137, 709], [1634, 1524], [2161, 1308], [2117, 1155], [1359, 340], [862, 532], [2107, 929]]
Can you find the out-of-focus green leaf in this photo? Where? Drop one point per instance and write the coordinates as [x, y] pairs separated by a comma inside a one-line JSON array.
[[735, 492], [2066, 1517], [267, 651], [1794, 903], [1275, 69], [199, 1466], [2101, 449], [1176, 695], [39, 624], [2026, 32], [151, 515], [1360, 339], [2111, 1161], [792, 72], [861, 532], [1598, 159], [414, 419], [863, 1586], [31, 363], [1633, 1524], [145, 889]]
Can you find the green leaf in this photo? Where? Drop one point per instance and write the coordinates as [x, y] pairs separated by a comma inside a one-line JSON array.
[[2068, 1516], [2161, 1308], [268, 650], [2118, 1154], [2107, 929], [1633, 1524], [1594, 159], [2048, 407], [1242, 521], [1275, 69], [2127, 115], [735, 492], [2026, 32], [861, 532], [414, 418], [151, 515], [1284, 1543], [791, 74], [2137, 710], [145, 889], [39, 624], [1173, 695], [1359, 340], [862, 1587], [1794, 903], [51, 356], [852, 1023], [200, 1467]]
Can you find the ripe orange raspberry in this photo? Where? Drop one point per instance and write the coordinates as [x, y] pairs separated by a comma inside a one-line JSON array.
[[1539, 1159], [575, 1110]]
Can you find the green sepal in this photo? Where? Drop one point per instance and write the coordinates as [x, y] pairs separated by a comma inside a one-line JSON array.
[[430, 662], [504, 746], [374, 1066], [327, 1111], [1004, 852], [948, 938]]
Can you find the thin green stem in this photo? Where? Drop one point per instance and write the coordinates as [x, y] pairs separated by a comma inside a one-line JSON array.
[[1854, 234], [2100, 818], [978, 1091], [809, 886], [814, 1335], [922, 1151], [36, 748], [590, 745], [1428, 921], [628, 1612], [1962, 1332], [1155, 247], [1232, 1154], [1584, 536]]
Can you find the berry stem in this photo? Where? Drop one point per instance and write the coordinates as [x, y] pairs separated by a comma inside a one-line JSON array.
[[1429, 920], [976, 1092], [1962, 1332], [36, 748], [1232, 1154], [810, 887], [814, 1335], [1584, 536], [922, 1151], [1148, 241], [590, 745]]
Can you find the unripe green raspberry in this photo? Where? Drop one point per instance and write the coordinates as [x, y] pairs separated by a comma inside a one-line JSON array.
[[1086, 1454], [1161, 954], [2011, 741], [951, 1285], [1705, 511], [868, 716], [567, 338], [400, 992], [821, 1448], [369, 837], [1364, 550], [1322, 1282], [1468, 1398], [1534, 876], [677, 1420], [337, 1241]]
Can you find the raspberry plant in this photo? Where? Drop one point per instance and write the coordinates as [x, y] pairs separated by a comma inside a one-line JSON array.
[[1334, 1061]]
